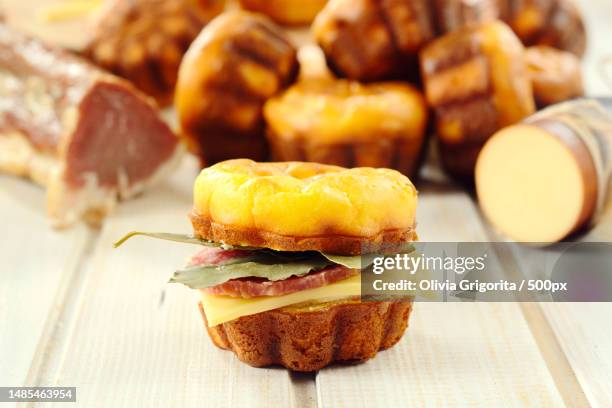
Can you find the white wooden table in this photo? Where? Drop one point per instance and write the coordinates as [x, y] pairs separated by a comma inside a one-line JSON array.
[[75, 312]]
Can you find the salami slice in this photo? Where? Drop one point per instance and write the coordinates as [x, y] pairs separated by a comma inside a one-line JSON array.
[[255, 287]]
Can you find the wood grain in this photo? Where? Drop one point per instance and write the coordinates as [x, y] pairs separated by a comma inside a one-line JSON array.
[[38, 266], [576, 338], [127, 345], [453, 354]]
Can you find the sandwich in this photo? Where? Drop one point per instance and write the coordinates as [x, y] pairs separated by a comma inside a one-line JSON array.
[[279, 268]]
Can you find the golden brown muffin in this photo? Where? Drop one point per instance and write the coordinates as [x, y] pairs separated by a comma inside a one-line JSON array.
[[144, 40], [347, 124], [556, 75], [303, 206], [371, 40], [310, 338], [279, 271], [556, 23], [288, 12], [300, 207], [237, 62], [476, 80], [451, 15]]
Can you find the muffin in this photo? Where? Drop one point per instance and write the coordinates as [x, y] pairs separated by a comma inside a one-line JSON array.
[[287, 12], [556, 23], [477, 82], [556, 75], [144, 40], [373, 40], [370, 40], [237, 62], [348, 124], [279, 274]]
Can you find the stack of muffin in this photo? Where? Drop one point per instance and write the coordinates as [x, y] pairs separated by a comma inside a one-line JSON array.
[[386, 65]]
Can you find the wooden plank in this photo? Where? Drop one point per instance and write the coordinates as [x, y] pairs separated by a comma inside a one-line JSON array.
[[583, 330], [125, 345], [463, 354], [597, 73], [38, 264], [576, 338]]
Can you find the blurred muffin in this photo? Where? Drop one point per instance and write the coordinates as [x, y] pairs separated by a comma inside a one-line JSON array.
[[288, 12], [370, 40], [144, 40], [556, 75], [237, 62], [557, 23], [345, 123], [477, 82]]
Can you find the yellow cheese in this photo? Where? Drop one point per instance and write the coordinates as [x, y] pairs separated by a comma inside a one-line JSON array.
[[221, 309], [530, 185]]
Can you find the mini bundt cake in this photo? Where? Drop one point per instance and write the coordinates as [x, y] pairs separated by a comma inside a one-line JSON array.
[[237, 62], [344, 123], [287, 12]]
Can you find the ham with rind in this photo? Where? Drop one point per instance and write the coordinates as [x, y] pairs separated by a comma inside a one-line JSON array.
[[88, 136]]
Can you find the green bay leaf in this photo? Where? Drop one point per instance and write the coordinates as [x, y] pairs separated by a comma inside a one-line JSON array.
[[204, 276], [351, 262]]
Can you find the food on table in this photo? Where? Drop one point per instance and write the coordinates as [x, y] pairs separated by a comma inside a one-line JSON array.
[[556, 23], [476, 80], [548, 177], [140, 40], [372, 40], [237, 62], [86, 135], [345, 123], [144, 40], [556, 75], [279, 272], [289, 12], [451, 15]]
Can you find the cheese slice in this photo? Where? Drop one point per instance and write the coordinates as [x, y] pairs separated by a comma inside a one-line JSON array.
[[221, 309], [531, 185]]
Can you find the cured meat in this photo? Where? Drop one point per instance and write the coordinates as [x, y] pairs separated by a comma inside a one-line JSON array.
[[254, 287], [88, 136], [217, 256], [476, 80], [237, 62], [140, 40]]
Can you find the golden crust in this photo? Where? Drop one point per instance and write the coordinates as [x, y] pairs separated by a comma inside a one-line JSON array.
[[303, 206], [347, 332], [348, 124], [331, 243], [399, 154], [288, 12], [219, 104]]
